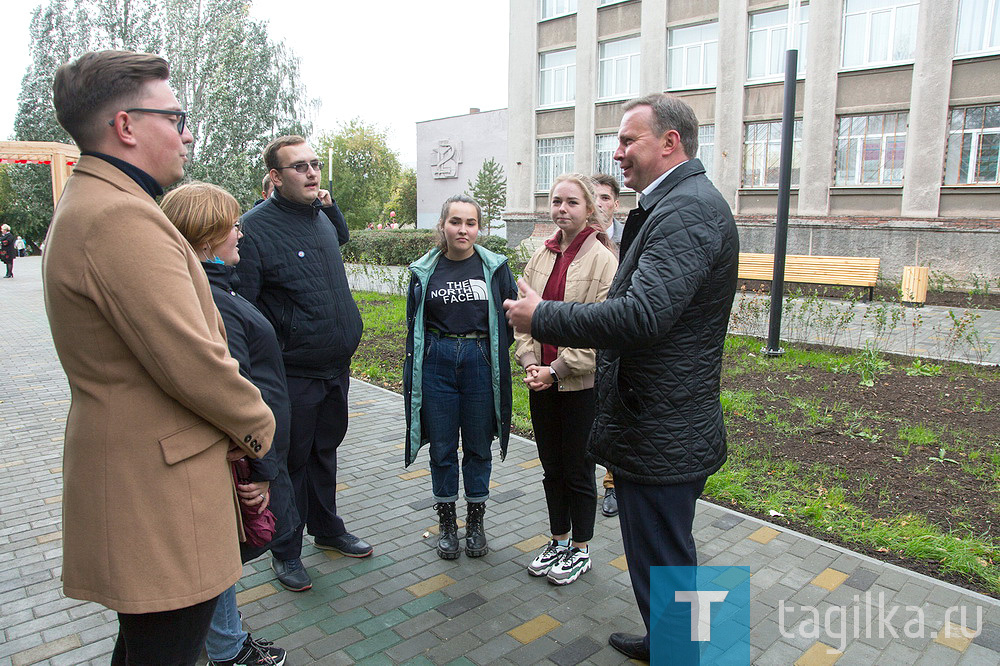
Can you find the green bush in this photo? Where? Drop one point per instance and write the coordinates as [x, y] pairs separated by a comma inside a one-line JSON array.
[[388, 247], [400, 247]]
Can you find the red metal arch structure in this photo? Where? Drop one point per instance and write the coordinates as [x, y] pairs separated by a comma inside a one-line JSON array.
[[60, 157]]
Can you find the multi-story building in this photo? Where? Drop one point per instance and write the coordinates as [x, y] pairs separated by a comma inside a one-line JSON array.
[[897, 132]]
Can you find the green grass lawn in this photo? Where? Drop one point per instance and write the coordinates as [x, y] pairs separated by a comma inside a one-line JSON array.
[[826, 440]]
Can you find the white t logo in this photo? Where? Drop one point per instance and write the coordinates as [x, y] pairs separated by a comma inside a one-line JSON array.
[[701, 613]]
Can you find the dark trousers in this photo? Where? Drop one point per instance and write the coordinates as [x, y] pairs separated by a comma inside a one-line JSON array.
[[10, 268], [318, 425], [562, 421], [656, 530], [168, 638]]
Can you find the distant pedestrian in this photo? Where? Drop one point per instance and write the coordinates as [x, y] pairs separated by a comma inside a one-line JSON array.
[[7, 250], [456, 377], [20, 246]]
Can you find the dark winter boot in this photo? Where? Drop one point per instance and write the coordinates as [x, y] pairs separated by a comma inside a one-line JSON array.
[[475, 533], [447, 546]]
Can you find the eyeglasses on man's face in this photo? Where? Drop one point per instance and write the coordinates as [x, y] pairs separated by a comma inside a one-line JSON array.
[[180, 115], [303, 167]]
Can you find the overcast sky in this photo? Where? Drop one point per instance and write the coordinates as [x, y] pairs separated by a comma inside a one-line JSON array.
[[390, 62]]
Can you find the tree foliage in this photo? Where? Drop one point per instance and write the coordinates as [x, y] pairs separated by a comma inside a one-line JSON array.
[[363, 168], [404, 200], [490, 189], [239, 87]]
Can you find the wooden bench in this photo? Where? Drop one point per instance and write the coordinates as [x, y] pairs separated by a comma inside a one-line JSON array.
[[845, 271]]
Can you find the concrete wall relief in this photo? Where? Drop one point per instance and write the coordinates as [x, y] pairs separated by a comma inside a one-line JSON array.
[[446, 157]]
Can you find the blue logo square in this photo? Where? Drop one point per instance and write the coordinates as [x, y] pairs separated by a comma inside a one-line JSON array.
[[700, 615]]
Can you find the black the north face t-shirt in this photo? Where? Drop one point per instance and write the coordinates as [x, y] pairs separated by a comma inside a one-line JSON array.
[[456, 301]]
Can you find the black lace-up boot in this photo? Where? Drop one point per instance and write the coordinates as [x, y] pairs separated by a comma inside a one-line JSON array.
[[447, 546], [475, 533]]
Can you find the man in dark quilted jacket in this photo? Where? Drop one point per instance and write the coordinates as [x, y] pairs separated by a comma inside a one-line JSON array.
[[659, 337], [292, 270]]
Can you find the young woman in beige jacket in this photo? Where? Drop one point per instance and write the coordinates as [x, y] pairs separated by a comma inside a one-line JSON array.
[[576, 264]]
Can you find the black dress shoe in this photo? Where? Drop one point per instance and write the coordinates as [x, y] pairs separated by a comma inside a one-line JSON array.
[[610, 505], [630, 645], [346, 543]]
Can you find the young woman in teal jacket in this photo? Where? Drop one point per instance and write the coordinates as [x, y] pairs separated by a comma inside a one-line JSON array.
[[456, 377]]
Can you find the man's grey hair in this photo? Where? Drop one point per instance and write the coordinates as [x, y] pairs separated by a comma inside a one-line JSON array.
[[671, 113]]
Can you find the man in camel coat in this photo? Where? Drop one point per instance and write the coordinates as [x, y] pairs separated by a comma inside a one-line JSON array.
[[150, 524]]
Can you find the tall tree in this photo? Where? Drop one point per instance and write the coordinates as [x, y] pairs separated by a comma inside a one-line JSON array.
[[404, 199], [240, 87], [490, 190], [55, 33], [364, 170]]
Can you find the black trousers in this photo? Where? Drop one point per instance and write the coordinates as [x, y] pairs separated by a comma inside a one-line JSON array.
[[318, 425], [656, 530], [562, 421], [168, 638], [10, 268]]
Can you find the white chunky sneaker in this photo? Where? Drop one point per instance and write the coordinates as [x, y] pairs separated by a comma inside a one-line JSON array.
[[545, 559], [571, 565]]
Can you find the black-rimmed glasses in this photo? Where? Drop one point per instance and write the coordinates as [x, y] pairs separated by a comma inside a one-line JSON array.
[[181, 116], [303, 167]]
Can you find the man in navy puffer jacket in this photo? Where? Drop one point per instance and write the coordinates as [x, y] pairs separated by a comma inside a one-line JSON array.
[[292, 270]]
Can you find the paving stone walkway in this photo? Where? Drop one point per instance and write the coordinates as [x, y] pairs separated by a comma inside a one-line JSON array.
[[406, 606]]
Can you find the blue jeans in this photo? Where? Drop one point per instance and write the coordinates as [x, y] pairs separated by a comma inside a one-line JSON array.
[[458, 396], [225, 633]]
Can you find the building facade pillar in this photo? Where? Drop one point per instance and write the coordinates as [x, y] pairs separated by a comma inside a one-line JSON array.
[[927, 130], [587, 71], [729, 97], [819, 117], [522, 92]]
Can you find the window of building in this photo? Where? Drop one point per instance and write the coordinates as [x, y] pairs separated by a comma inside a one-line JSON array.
[[601, 3], [605, 146], [555, 157], [553, 8], [619, 68], [768, 41], [692, 56], [973, 146], [706, 148], [870, 149], [879, 32], [978, 27], [762, 153], [557, 77]]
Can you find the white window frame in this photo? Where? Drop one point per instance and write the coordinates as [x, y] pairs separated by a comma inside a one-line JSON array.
[[971, 16], [965, 144], [558, 159], [612, 67], [549, 77], [762, 153], [858, 129], [706, 148], [877, 8], [605, 146], [603, 3], [549, 9], [707, 77], [775, 37]]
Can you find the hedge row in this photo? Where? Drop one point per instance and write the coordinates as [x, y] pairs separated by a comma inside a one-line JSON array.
[[400, 247]]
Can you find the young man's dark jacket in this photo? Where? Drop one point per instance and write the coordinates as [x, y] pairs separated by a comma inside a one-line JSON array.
[[292, 270], [660, 335], [251, 342]]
